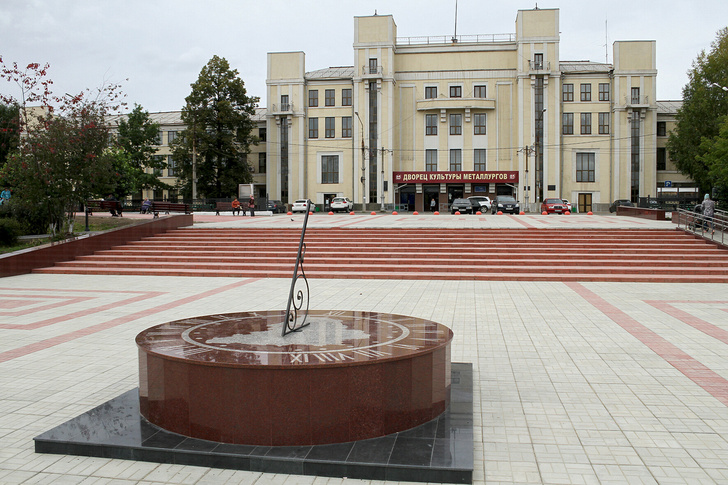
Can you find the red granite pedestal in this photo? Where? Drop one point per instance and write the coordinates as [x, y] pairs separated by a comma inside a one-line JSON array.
[[348, 376]]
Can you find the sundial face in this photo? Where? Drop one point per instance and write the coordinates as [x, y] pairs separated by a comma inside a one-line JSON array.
[[332, 338]]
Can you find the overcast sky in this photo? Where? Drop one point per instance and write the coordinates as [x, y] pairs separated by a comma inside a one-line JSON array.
[[156, 48]]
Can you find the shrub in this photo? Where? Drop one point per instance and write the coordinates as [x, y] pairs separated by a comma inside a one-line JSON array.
[[10, 229]]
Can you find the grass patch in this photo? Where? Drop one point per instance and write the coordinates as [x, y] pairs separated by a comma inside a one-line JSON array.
[[95, 224]]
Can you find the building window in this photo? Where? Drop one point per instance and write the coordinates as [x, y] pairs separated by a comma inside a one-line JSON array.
[[158, 139], [262, 162], [171, 135], [346, 97], [661, 158], [603, 91], [585, 92], [456, 160], [586, 124], [158, 162], [456, 91], [479, 124], [346, 126], [313, 127], [567, 92], [635, 95], [330, 127], [373, 66], [479, 160], [661, 128], [430, 124], [538, 62], [585, 167], [171, 165], [430, 92], [284, 103], [567, 124], [262, 133], [479, 92], [330, 97], [431, 160], [329, 169], [312, 98], [456, 124], [603, 123]]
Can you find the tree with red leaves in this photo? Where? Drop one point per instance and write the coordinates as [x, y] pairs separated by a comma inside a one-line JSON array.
[[62, 158]]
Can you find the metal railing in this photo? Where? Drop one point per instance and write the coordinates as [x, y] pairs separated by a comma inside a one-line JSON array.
[[636, 100], [539, 65], [449, 39], [712, 228]]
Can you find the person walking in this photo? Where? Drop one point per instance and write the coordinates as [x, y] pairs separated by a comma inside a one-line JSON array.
[[432, 204], [708, 211]]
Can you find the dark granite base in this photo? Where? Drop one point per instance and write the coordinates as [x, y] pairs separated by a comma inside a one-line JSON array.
[[440, 450]]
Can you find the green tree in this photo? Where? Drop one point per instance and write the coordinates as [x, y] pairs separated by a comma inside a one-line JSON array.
[[62, 158], [700, 117], [715, 157], [137, 136], [9, 135], [218, 114]]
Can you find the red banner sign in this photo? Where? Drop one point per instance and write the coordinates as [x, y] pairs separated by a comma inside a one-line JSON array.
[[510, 177]]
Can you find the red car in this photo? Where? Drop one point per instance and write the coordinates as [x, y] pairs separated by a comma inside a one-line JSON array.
[[553, 206]]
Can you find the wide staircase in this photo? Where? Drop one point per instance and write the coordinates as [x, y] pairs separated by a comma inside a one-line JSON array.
[[442, 254]]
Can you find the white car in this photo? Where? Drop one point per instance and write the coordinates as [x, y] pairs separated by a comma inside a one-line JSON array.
[[567, 205], [301, 204], [341, 204], [480, 201]]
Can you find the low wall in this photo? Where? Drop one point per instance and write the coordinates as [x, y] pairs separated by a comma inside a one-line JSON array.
[[25, 261], [654, 214]]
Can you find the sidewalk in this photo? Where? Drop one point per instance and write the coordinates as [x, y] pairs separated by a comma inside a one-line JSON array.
[[574, 383]]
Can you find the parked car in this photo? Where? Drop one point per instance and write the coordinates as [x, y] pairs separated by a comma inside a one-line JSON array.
[[505, 204], [341, 204], [276, 206], [567, 205], [480, 202], [300, 206], [618, 202], [462, 205], [553, 206]]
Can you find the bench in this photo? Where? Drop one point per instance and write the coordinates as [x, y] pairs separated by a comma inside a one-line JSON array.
[[113, 206], [168, 207], [228, 206]]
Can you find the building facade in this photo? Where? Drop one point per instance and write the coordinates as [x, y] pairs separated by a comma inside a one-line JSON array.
[[416, 119]]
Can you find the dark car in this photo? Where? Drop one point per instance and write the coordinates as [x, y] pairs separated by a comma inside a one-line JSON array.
[[505, 204], [461, 205], [276, 206], [618, 202], [553, 206]]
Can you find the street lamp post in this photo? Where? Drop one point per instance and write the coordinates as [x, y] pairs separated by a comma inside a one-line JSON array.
[[363, 167]]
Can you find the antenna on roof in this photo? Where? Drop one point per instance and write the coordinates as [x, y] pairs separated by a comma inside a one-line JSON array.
[[606, 42], [455, 37]]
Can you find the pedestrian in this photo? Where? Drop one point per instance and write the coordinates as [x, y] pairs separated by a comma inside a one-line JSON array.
[[236, 206], [708, 211], [251, 205], [5, 195], [433, 204]]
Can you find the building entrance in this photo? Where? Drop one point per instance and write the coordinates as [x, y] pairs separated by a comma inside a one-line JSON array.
[[431, 192], [406, 198], [454, 192]]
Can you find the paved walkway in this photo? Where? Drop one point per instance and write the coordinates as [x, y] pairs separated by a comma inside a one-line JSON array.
[[574, 382]]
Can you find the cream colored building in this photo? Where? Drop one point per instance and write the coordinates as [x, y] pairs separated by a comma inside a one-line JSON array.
[[421, 118]]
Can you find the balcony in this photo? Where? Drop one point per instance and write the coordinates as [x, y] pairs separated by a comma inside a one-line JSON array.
[[282, 109], [539, 66], [372, 72], [637, 101], [454, 103]]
